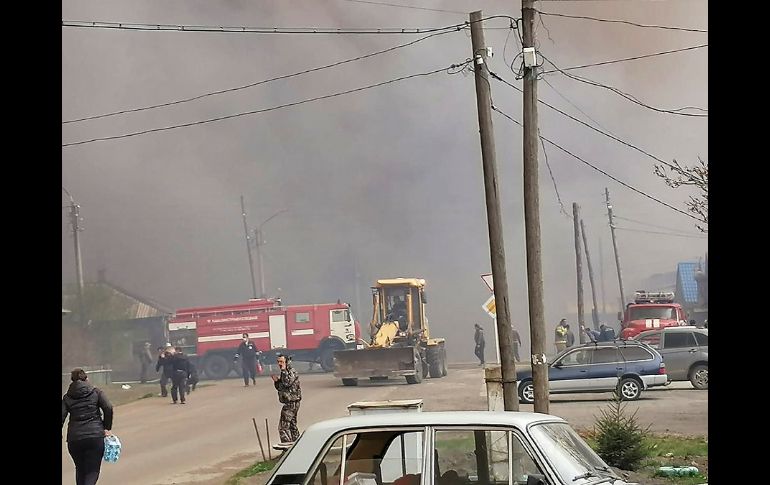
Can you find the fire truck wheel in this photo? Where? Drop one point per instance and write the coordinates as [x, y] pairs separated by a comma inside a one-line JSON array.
[[327, 359], [350, 382], [216, 367]]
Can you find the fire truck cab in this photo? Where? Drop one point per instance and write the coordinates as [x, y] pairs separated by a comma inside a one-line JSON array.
[[309, 333], [651, 310]]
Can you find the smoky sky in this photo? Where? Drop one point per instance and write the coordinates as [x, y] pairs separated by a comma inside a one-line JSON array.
[[382, 183]]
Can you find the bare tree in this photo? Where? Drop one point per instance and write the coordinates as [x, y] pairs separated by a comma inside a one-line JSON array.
[[676, 175]]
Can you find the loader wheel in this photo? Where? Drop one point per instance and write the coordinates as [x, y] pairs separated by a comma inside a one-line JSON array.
[[419, 371], [435, 362], [350, 382], [443, 362]]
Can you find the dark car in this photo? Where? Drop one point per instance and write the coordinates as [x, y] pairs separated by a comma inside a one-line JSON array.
[[626, 367], [685, 351]]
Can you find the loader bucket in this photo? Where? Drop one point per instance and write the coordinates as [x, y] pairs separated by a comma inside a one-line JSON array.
[[374, 362]]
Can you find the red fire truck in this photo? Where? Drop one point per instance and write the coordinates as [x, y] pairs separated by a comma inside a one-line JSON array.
[[651, 310], [309, 333]]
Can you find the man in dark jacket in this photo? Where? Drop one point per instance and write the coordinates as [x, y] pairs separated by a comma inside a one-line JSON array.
[[90, 421], [145, 360], [569, 336], [478, 338], [606, 334], [247, 353], [179, 378], [290, 395], [165, 363]]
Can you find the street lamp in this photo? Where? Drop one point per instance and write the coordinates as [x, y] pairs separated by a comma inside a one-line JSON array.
[[260, 243]]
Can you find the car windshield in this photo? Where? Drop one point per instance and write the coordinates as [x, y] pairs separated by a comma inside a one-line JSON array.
[[572, 458], [659, 312]]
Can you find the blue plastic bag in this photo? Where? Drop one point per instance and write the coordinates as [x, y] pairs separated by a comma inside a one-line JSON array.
[[111, 448]]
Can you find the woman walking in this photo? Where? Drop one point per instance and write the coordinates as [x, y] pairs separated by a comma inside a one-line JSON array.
[[90, 421]]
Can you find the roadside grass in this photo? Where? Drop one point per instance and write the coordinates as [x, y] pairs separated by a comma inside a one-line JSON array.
[[669, 450], [259, 467]]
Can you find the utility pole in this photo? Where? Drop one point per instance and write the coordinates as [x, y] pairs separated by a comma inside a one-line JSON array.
[[595, 309], [601, 277], [615, 246], [532, 214], [248, 249], [579, 267], [76, 229], [494, 217], [260, 242], [258, 239]]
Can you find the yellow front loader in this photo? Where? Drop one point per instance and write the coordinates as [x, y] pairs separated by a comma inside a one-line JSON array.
[[400, 344]]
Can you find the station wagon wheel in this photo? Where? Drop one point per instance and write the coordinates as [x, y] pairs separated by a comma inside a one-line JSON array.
[[699, 377], [629, 389], [527, 393]]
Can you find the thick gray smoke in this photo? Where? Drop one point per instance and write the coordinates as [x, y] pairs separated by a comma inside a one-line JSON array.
[[382, 183]]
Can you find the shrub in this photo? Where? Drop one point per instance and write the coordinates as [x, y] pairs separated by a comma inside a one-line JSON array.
[[620, 441]]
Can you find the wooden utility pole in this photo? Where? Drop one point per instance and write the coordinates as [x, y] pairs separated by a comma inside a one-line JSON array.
[[248, 250], [494, 218], [615, 246], [579, 267], [601, 277], [76, 230], [595, 309], [532, 215]]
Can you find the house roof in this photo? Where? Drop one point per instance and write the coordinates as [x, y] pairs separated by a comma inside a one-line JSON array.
[[687, 286], [139, 306]]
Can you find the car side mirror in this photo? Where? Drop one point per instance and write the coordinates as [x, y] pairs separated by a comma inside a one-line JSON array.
[[536, 480], [558, 365]]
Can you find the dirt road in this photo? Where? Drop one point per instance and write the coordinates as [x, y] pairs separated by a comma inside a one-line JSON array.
[[211, 437]]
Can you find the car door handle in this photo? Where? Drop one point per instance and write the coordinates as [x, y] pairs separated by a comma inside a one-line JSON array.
[[692, 351], [618, 368], [583, 370]]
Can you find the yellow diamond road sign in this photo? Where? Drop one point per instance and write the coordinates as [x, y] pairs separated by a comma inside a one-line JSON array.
[[489, 307]]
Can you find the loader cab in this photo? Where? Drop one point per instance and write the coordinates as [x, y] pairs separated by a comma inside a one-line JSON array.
[[401, 300]]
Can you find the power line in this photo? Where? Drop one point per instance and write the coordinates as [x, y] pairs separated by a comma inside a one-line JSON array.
[[384, 4], [630, 97], [93, 24], [615, 61], [647, 224], [264, 110], [695, 236], [555, 188], [605, 133], [257, 83], [602, 171], [664, 27], [573, 104]]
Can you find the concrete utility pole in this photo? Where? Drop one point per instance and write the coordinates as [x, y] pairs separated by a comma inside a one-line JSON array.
[[260, 242], [615, 246], [595, 309], [494, 218], [579, 267], [248, 250], [601, 277], [76, 229], [532, 213]]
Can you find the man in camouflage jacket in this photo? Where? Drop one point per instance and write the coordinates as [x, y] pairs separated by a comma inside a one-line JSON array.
[[290, 395]]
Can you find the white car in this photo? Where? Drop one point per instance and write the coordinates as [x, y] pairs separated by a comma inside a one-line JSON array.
[[442, 448]]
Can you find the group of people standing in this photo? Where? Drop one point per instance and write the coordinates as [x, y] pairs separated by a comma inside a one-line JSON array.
[[564, 338]]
